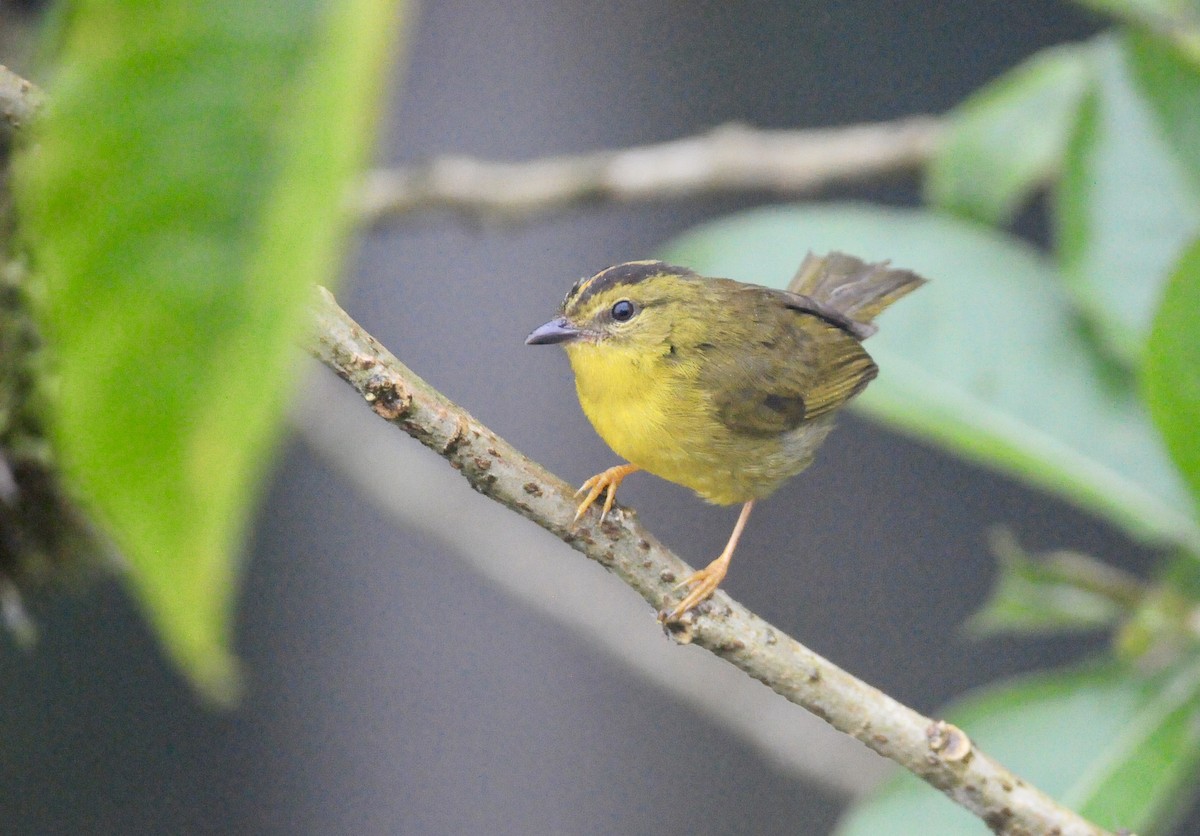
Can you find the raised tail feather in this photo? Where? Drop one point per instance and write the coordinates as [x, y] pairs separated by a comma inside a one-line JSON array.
[[855, 289]]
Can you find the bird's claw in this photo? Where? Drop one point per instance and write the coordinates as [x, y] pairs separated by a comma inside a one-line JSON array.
[[602, 483], [703, 584]]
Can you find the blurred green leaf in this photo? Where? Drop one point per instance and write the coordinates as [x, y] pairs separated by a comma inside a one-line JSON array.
[[183, 192], [1176, 21], [1009, 138], [1052, 594], [1126, 205], [1164, 627], [1172, 370], [1180, 573], [1133, 10], [1120, 749], [1170, 83], [985, 360]]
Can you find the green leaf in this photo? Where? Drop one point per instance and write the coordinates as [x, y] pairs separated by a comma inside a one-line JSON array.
[[1176, 21], [1126, 206], [184, 190], [1181, 11], [1120, 749], [985, 360], [1049, 594], [1009, 138], [1169, 81], [1172, 370]]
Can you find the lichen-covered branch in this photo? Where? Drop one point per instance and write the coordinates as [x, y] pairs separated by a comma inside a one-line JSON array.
[[45, 537], [20, 100], [934, 750], [730, 158]]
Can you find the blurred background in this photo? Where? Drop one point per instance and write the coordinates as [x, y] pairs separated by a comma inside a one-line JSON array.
[[402, 680]]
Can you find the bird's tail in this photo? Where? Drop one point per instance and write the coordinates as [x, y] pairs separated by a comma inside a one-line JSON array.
[[855, 289]]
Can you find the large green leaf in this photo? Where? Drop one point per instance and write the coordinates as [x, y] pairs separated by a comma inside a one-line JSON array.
[[986, 360], [1126, 204], [1120, 749], [1172, 371], [1169, 81], [183, 191], [1009, 138], [1177, 21]]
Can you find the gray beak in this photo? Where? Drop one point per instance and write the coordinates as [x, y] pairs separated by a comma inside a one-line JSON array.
[[554, 331]]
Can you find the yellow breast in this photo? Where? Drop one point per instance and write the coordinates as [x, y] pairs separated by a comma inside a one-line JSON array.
[[632, 401], [648, 409]]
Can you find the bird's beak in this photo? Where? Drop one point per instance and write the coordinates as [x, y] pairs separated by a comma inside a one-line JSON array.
[[555, 331]]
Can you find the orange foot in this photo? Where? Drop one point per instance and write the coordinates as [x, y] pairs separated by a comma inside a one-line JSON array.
[[705, 582], [603, 483]]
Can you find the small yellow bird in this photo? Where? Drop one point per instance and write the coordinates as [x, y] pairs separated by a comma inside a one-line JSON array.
[[724, 387]]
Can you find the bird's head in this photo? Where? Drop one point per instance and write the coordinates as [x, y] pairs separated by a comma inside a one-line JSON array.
[[632, 306]]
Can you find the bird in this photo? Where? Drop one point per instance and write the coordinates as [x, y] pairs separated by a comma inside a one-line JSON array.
[[724, 387]]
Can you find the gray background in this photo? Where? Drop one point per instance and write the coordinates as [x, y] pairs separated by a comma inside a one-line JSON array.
[[392, 689]]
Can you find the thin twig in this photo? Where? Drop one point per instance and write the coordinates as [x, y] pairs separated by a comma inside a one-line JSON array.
[[20, 100], [731, 158], [935, 751]]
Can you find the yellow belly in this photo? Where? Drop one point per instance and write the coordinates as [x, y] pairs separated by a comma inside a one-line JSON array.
[[651, 413]]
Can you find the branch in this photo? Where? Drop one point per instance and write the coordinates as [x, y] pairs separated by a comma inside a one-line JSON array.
[[731, 158], [521, 561], [935, 751], [728, 159], [20, 100]]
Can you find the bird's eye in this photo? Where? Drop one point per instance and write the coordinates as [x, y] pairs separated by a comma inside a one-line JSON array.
[[623, 311]]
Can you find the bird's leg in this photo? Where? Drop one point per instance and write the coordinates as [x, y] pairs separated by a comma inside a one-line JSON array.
[[606, 483], [705, 582]]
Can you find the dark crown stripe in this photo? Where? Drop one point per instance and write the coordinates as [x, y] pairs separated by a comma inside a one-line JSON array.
[[622, 274]]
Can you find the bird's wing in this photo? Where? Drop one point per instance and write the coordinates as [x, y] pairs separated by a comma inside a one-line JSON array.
[[803, 366]]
